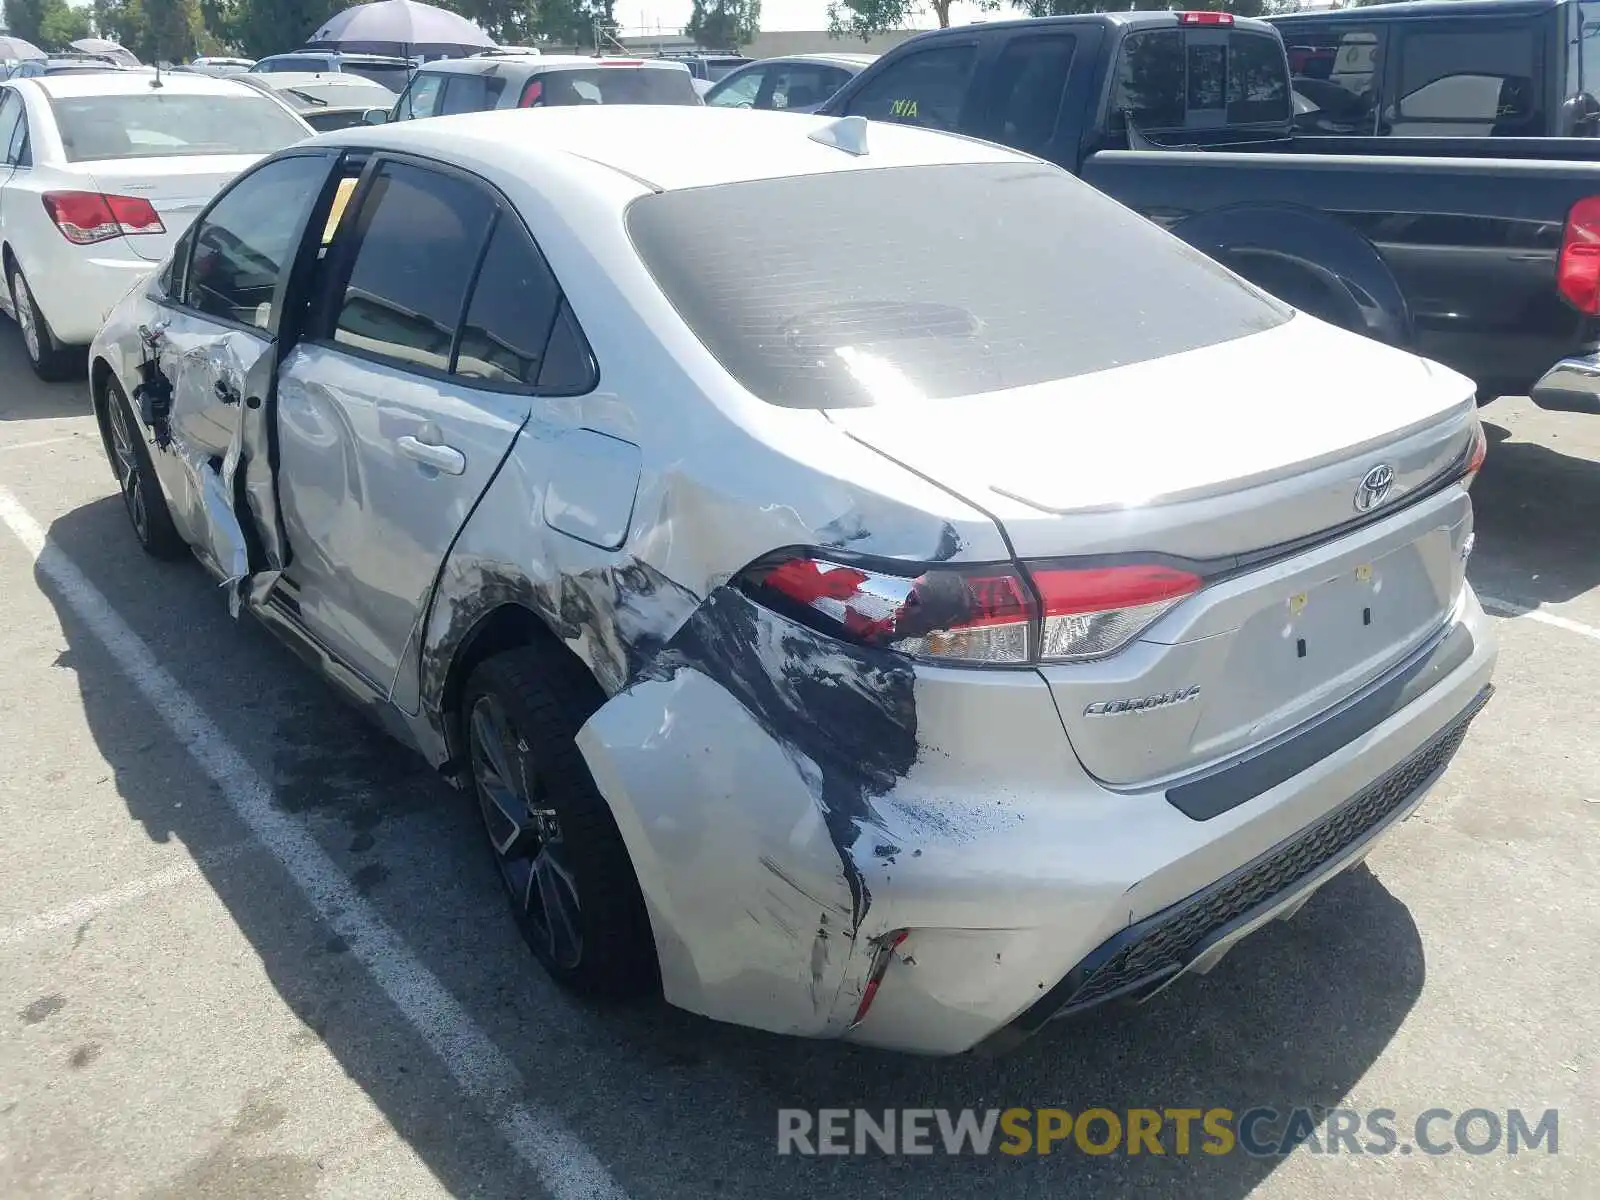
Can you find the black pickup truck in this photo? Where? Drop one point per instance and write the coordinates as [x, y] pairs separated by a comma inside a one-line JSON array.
[[1487, 260]]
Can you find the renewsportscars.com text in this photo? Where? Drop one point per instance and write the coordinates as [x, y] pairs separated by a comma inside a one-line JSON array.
[[1258, 1132]]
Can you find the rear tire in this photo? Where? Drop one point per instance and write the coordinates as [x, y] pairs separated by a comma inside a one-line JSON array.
[[136, 478], [554, 841], [50, 360]]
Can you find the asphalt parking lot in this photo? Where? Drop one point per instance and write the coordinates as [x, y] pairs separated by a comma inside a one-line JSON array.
[[248, 948]]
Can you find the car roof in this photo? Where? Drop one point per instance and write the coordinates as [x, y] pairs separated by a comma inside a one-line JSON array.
[[825, 56], [495, 63], [132, 82], [1422, 8], [665, 147], [339, 56]]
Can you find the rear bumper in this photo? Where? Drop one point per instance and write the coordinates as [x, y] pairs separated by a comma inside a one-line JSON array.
[[1026, 888], [1572, 385], [1195, 933], [77, 291]]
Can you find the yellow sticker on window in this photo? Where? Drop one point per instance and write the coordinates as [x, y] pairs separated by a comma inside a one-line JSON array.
[[341, 199], [903, 108], [1363, 573]]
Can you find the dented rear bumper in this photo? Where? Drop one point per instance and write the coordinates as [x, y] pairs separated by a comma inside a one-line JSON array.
[[780, 857]]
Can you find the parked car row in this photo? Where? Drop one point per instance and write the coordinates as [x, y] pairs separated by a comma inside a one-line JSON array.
[[601, 452]]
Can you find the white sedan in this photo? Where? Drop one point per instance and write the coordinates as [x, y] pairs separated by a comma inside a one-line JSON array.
[[99, 174]]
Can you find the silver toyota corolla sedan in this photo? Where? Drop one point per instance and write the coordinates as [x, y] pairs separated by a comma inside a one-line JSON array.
[[875, 586]]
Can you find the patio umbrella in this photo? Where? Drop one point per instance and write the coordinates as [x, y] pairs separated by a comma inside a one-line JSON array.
[[16, 48], [104, 46], [400, 27]]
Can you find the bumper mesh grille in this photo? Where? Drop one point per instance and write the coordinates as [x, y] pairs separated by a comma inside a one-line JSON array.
[[1170, 940]]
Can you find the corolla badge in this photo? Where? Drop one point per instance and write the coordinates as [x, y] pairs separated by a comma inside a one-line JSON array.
[[1374, 487], [1139, 704]]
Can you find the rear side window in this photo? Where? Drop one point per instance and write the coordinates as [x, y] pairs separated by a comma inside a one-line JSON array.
[[1466, 84], [471, 93], [804, 85], [1025, 101], [614, 85], [419, 241], [1335, 72], [926, 88], [1175, 79], [855, 288], [512, 311]]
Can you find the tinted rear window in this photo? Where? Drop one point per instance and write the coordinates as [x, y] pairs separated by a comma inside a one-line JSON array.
[[1172, 79], [293, 64], [616, 85], [394, 77], [848, 288], [157, 125]]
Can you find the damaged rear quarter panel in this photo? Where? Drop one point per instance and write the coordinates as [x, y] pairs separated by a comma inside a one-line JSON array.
[[755, 895]]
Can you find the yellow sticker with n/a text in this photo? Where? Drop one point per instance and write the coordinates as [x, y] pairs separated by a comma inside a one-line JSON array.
[[1364, 573], [1297, 604]]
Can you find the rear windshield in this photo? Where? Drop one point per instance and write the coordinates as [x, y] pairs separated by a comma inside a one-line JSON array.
[[1200, 79], [155, 125], [859, 287], [292, 64], [615, 85], [393, 76]]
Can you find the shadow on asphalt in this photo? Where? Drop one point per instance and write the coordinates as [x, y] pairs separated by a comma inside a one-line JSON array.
[[23, 397], [1536, 511], [672, 1104]]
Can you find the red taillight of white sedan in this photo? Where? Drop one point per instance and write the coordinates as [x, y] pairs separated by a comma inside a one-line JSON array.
[[85, 218], [997, 615]]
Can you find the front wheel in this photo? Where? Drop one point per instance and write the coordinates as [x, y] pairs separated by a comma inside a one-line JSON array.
[[555, 844], [136, 478]]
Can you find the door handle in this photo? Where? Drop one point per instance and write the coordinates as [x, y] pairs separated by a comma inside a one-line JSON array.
[[441, 458]]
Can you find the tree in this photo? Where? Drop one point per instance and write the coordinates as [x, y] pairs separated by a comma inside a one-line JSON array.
[[724, 24], [24, 18], [576, 23], [262, 27], [61, 24]]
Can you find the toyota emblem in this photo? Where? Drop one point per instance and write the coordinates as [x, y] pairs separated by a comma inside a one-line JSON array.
[[1375, 487]]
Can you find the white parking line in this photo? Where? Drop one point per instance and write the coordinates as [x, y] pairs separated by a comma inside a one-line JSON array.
[[85, 907], [37, 442], [1506, 608], [563, 1164]]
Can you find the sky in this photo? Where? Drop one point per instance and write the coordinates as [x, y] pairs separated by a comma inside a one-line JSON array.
[[649, 16]]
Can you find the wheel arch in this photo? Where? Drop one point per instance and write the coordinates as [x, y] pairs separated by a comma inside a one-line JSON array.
[[1337, 273], [507, 625]]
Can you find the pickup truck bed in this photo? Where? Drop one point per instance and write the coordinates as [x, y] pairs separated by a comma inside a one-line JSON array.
[[1459, 257]]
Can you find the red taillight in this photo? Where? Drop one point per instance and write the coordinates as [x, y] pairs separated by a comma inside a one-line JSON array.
[[1205, 18], [1090, 612], [1479, 452], [987, 615], [1578, 275], [531, 94], [85, 218]]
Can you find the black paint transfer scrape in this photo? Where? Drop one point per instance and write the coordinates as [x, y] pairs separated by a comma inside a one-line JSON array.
[[849, 712]]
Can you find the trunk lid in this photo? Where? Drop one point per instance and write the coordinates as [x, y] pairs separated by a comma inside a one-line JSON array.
[[1244, 458], [177, 187]]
